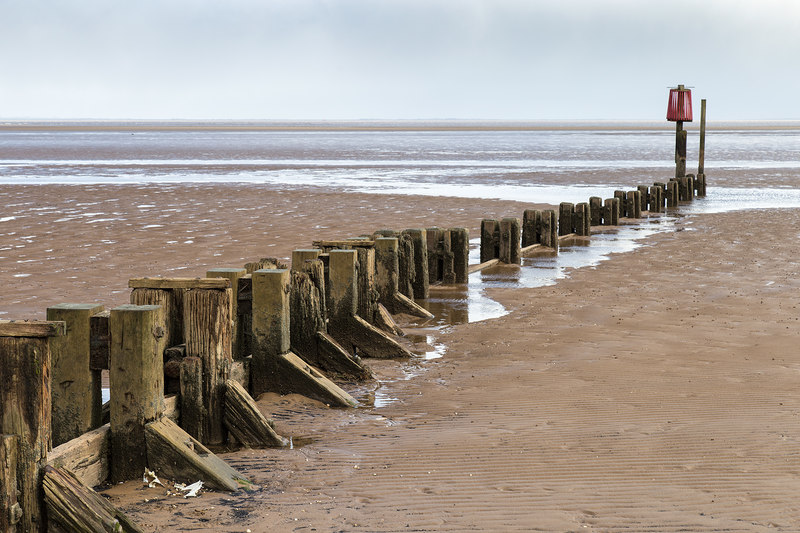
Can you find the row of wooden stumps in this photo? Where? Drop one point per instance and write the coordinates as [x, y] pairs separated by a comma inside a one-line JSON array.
[[217, 342], [509, 239]]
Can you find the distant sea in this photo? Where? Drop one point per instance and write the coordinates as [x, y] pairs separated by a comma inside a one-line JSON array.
[[750, 164]]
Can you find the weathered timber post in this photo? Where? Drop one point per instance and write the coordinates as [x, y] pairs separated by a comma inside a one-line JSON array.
[[270, 327], [655, 200], [644, 197], [510, 241], [25, 412], [689, 187], [549, 230], [299, 257], [582, 220], [405, 260], [611, 211], [367, 295], [566, 214], [596, 209], [76, 389], [672, 193], [680, 150], [207, 326], [623, 203], [10, 510], [434, 242], [171, 302], [459, 246], [194, 417], [421, 281], [309, 337], [349, 329], [136, 378], [531, 224], [701, 163], [387, 279], [634, 204], [237, 333], [387, 267], [490, 239], [274, 367]]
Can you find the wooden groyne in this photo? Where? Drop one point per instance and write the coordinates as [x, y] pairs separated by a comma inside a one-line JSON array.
[[188, 356]]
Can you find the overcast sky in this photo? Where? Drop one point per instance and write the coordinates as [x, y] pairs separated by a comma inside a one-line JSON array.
[[406, 59]]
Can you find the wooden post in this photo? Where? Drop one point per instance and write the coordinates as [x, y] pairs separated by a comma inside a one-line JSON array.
[[490, 239], [612, 211], [596, 208], [387, 266], [367, 295], [549, 233], [434, 238], [459, 245], [672, 193], [531, 223], [510, 241], [633, 203], [680, 150], [76, 389], [421, 281], [583, 219], [207, 326], [299, 257], [193, 411], [701, 164], [237, 331], [10, 511], [656, 199], [270, 325], [623, 203], [25, 407], [136, 377], [566, 214], [274, 367], [171, 302], [644, 197]]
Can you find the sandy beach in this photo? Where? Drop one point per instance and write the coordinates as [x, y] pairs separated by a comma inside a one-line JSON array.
[[655, 391]]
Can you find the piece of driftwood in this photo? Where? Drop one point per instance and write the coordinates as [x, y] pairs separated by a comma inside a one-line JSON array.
[[10, 511], [87, 456], [77, 508], [176, 455], [246, 422]]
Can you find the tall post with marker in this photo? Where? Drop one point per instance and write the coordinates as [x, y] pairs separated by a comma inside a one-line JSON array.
[[679, 110]]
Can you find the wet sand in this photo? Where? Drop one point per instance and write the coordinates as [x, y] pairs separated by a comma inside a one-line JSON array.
[[656, 391], [82, 243]]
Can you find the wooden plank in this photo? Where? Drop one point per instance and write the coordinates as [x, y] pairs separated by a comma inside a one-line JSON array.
[[481, 266], [86, 456], [193, 415], [347, 244], [179, 283], [176, 455], [75, 507], [246, 422], [32, 328]]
